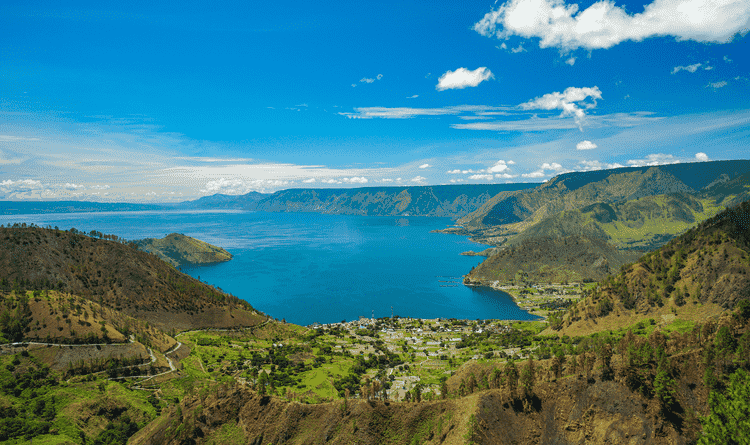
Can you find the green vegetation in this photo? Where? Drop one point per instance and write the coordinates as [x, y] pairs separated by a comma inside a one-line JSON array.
[[180, 250], [729, 421]]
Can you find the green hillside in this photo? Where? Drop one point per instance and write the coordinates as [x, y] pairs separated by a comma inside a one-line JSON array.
[[181, 250], [642, 223], [510, 213], [702, 272], [552, 259]]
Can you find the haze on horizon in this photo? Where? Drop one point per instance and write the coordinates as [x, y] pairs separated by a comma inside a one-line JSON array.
[[154, 102]]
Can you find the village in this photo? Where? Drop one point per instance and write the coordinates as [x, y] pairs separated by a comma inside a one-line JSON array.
[[327, 361]]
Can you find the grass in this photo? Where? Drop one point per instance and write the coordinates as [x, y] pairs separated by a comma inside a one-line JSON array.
[[229, 434], [644, 231]]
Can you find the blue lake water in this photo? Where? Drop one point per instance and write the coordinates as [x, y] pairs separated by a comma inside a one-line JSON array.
[[306, 267]]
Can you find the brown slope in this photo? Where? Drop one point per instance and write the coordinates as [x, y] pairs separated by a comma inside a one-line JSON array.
[[118, 276], [697, 274]]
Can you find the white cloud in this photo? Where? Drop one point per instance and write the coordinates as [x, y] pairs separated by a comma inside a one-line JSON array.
[[355, 180], [604, 25], [506, 176], [689, 68], [499, 167], [370, 79], [569, 101], [518, 49], [701, 157], [536, 174], [462, 78], [585, 145], [100, 187], [330, 181], [425, 166], [715, 85], [409, 112], [571, 61], [70, 186], [454, 172], [417, 179], [21, 184], [456, 180], [727, 59], [386, 180], [237, 186], [654, 159], [9, 138], [547, 166], [413, 97], [397, 113], [309, 180], [708, 68], [559, 123], [553, 166], [476, 177]]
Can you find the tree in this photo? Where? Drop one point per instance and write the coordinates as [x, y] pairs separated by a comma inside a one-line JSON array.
[[664, 386], [557, 363], [729, 421], [605, 355], [528, 378], [511, 374]]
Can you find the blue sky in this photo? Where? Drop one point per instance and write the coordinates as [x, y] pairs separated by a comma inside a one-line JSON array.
[[168, 101]]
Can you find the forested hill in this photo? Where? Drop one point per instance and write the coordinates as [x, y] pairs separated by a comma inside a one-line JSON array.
[[452, 201], [706, 270], [115, 275]]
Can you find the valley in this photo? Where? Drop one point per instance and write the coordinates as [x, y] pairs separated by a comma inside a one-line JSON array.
[[642, 317]]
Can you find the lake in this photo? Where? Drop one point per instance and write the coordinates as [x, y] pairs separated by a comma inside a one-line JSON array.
[[307, 267]]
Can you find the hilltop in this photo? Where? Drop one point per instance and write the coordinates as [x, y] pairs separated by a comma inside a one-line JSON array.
[[116, 275], [181, 250]]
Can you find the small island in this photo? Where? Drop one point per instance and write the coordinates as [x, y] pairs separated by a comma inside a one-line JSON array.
[[182, 250]]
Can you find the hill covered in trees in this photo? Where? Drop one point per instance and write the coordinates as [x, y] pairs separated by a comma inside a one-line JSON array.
[[702, 272], [182, 250], [115, 275], [551, 259]]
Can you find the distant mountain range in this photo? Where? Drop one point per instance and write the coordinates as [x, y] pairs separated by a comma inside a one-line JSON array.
[[452, 201]]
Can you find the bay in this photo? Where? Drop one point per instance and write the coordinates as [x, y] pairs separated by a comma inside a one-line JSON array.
[[307, 267]]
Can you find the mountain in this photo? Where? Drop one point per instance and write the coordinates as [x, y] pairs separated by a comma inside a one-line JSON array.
[[509, 213], [181, 250], [221, 201], [551, 260], [31, 207], [452, 201], [701, 273], [641, 223], [117, 276], [630, 209]]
